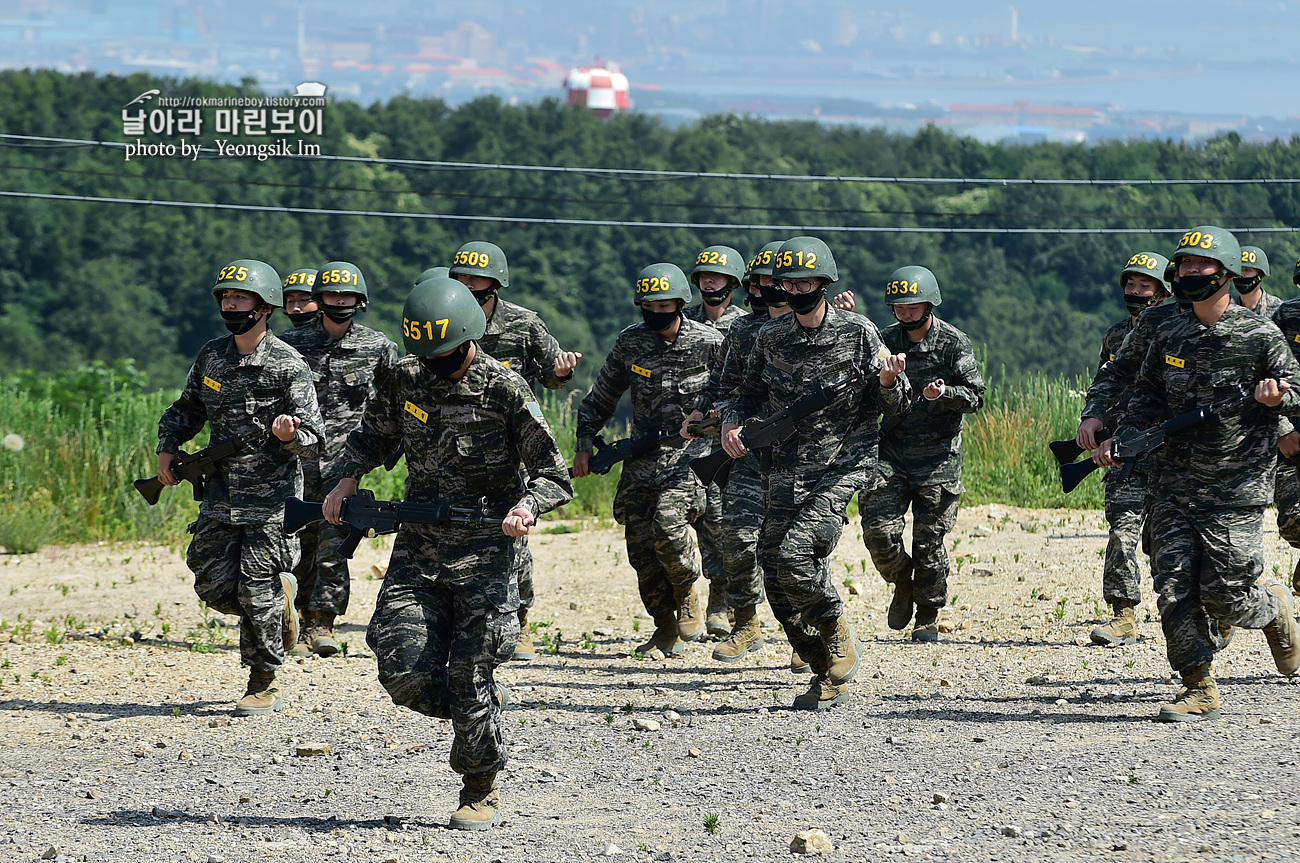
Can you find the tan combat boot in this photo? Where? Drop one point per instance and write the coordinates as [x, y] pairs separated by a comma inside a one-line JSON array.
[[262, 695], [664, 641], [289, 617], [479, 804], [1197, 701], [303, 645], [322, 635], [716, 621], [1123, 628], [927, 625], [747, 636], [821, 695], [690, 624], [524, 649], [900, 606], [1283, 637], [798, 665], [842, 647]]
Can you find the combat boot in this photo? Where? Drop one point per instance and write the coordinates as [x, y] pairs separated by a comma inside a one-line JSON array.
[[262, 695], [1123, 629], [524, 649], [289, 617], [798, 665], [747, 636], [716, 620], [690, 624], [303, 645], [479, 804], [1197, 701], [821, 694], [322, 635], [842, 648], [900, 606], [664, 641], [1282, 635], [927, 625]]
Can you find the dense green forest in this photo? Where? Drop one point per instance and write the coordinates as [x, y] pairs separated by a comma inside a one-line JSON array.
[[83, 281]]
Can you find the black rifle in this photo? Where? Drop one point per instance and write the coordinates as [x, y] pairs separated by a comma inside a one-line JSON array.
[[1127, 452], [199, 467], [607, 455], [716, 466], [366, 516], [1068, 451]]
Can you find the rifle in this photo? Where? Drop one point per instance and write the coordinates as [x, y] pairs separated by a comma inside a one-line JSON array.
[[716, 466], [199, 467], [392, 460], [1127, 452], [366, 516], [1068, 451], [607, 455]]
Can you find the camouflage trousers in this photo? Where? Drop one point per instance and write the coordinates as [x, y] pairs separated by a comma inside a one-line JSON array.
[[524, 574], [1286, 494], [659, 547], [1205, 563], [1126, 506], [711, 531], [237, 571], [934, 513], [324, 582], [742, 517], [444, 620]]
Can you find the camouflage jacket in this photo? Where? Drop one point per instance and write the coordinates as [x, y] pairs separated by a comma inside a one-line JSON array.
[[1114, 379], [1287, 319], [347, 373], [1268, 304], [729, 364], [836, 446], [517, 338], [665, 379], [1227, 460], [228, 390], [924, 445], [729, 315], [1111, 340], [482, 436]]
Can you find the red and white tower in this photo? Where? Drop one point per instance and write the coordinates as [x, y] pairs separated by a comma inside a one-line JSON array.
[[599, 88]]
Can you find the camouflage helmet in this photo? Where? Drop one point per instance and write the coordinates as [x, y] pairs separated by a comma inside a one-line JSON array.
[[718, 259], [481, 259], [256, 277], [912, 285], [440, 315], [661, 282], [805, 257], [342, 277], [762, 263], [1208, 241], [433, 273], [1253, 256], [1151, 264], [300, 279]]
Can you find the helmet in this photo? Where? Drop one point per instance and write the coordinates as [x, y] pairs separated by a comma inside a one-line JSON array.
[[718, 259], [662, 282], [761, 264], [481, 259], [1209, 241], [300, 279], [1253, 256], [1147, 264], [440, 315], [805, 257], [256, 277], [342, 277], [912, 285], [433, 273]]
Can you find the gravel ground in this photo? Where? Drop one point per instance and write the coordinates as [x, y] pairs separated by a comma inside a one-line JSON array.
[[1012, 739]]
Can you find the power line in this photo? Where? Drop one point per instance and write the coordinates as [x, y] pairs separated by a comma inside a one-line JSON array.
[[647, 174], [619, 223]]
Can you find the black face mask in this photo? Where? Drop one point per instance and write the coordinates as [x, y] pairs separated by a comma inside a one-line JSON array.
[[241, 322], [659, 321], [1245, 286], [1197, 288], [1135, 305], [913, 325], [774, 296], [302, 319], [758, 304], [805, 303], [483, 296], [341, 314], [715, 298], [445, 367]]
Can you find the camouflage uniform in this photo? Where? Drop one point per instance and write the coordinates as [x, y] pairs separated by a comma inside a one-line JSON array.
[[1266, 307], [239, 548], [920, 462], [446, 615], [817, 470], [347, 373], [1207, 517], [657, 496], [1286, 491]]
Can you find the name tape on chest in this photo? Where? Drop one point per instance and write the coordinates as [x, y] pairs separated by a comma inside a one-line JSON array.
[[535, 409], [637, 370], [1296, 338], [1112, 357], [208, 382], [505, 363], [419, 414], [1176, 362], [782, 365]]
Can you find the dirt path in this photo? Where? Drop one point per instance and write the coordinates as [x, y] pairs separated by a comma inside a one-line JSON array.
[[1010, 740]]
